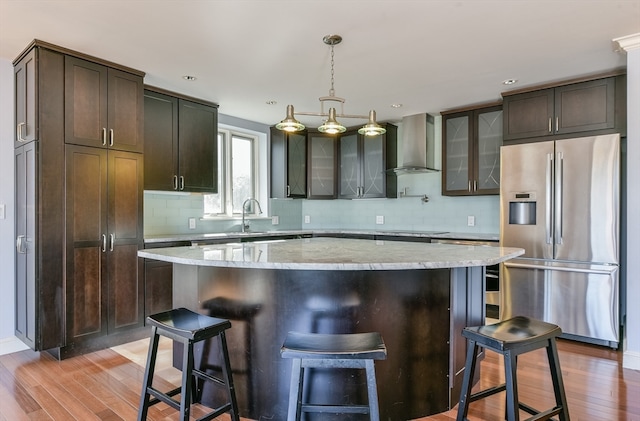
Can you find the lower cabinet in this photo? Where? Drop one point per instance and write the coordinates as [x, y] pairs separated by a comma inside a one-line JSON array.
[[104, 293]]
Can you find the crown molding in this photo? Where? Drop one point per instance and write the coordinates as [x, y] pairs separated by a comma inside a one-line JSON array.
[[627, 43]]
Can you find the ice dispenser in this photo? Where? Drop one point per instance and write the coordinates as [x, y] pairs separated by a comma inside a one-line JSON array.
[[522, 208]]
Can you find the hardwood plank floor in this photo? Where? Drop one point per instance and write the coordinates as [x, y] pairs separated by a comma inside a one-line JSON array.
[[105, 385]]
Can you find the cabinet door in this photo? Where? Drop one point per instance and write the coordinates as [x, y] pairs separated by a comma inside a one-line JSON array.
[[586, 106], [85, 102], [160, 141], [373, 166], [124, 238], [296, 165], [456, 153], [349, 185], [25, 282], [86, 242], [322, 166], [125, 111], [529, 115], [158, 286], [487, 151], [197, 147], [25, 99]]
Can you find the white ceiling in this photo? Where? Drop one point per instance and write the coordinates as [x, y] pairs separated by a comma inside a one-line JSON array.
[[428, 55]]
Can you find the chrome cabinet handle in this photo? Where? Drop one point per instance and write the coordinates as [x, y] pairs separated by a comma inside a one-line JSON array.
[[19, 131], [112, 239], [550, 125], [104, 136], [110, 137], [557, 124], [104, 243], [288, 190], [21, 245], [175, 182], [181, 182]]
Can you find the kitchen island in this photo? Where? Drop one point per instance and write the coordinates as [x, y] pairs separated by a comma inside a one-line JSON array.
[[417, 295]]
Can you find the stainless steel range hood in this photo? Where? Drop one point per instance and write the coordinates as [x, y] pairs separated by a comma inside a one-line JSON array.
[[417, 138]]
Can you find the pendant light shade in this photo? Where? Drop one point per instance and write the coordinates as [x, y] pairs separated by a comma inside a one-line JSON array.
[[331, 125], [372, 128], [290, 124]]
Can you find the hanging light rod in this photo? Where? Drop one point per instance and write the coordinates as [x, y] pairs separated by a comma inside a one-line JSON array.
[[331, 124]]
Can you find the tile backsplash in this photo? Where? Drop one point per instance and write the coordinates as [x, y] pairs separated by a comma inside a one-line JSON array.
[[169, 213]]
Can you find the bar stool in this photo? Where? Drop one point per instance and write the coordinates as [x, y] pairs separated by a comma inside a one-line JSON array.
[[511, 338], [187, 327], [313, 350]]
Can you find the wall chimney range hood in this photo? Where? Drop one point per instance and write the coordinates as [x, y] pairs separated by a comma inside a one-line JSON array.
[[417, 138]]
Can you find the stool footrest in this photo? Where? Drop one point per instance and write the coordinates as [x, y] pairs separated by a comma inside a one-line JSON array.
[[164, 397], [488, 392], [335, 409], [206, 376]]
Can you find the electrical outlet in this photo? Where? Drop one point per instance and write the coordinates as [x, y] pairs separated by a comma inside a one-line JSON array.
[[275, 220], [307, 219], [471, 221], [380, 219], [192, 223]]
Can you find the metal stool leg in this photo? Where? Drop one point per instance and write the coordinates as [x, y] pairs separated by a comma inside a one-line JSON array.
[[510, 367], [148, 375], [295, 391], [187, 381]]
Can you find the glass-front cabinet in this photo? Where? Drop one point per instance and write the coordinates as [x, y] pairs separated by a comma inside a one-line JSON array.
[[288, 164], [471, 151], [322, 166]]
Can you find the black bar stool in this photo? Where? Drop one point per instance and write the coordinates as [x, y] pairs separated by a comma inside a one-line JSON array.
[[187, 327], [511, 338], [313, 350]]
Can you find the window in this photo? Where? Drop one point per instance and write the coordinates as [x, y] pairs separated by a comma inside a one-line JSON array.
[[237, 176]]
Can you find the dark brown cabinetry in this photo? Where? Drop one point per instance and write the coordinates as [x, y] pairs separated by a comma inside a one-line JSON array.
[[181, 143], [589, 106], [288, 164], [323, 160], [103, 106], [25, 99], [61, 215], [364, 162], [104, 291], [471, 141]]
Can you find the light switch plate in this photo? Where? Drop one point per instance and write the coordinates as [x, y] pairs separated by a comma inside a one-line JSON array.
[[471, 221], [307, 219], [192, 223], [275, 220], [380, 219]]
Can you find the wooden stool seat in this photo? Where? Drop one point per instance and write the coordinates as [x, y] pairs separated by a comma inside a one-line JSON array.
[[511, 338], [187, 327], [313, 350]]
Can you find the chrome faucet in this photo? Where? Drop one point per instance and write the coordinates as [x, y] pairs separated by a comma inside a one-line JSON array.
[[245, 227]]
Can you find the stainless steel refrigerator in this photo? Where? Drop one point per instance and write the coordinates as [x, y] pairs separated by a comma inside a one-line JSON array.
[[559, 200]]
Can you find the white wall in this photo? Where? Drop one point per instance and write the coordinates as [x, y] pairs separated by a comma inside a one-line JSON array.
[[632, 349], [6, 199]]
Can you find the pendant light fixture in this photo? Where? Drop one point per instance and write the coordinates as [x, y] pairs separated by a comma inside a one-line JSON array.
[[331, 124]]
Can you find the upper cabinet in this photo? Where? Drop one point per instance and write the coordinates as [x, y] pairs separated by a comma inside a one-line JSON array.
[[471, 151], [322, 166], [364, 163], [591, 106], [288, 164], [181, 143], [25, 98], [103, 106]]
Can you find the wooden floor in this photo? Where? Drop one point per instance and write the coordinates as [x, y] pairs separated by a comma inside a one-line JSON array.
[[105, 385]]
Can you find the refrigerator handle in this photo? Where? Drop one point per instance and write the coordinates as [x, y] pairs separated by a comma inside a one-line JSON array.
[[558, 199], [548, 201]]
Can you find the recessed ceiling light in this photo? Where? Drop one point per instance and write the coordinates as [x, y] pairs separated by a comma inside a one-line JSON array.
[[509, 81], [271, 102], [189, 78], [396, 105]]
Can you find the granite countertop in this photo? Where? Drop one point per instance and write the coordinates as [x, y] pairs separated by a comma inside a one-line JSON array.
[[326, 253], [257, 234]]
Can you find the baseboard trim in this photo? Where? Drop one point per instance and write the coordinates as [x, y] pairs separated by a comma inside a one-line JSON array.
[[11, 344], [631, 360]]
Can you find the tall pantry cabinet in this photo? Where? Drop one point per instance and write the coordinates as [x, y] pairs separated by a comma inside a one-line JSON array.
[[79, 131]]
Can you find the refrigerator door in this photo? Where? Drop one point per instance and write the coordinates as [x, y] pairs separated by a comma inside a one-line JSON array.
[[580, 298], [526, 198], [586, 199]]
